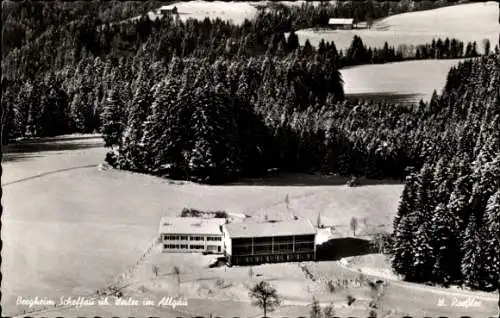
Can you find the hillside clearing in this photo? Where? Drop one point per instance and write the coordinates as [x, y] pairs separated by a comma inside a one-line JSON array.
[[236, 12], [465, 22], [413, 80]]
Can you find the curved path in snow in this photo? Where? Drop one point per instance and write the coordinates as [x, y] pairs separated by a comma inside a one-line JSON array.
[[428, 289], [43, 174]]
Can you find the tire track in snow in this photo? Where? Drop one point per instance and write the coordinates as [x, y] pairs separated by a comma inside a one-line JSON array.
[[43, 174], [427, 289]]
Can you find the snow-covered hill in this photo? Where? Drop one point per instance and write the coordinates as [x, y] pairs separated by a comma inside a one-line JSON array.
[[466, 22]]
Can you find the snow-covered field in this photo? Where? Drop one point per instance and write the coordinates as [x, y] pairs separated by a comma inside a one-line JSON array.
[[70, 227], [236, 12], [466, 22], [412, 80]]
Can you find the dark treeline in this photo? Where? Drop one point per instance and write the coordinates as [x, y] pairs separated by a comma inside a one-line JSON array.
[[216, 121], [358, 53], [24, 21], [448, 223], [446, 49]]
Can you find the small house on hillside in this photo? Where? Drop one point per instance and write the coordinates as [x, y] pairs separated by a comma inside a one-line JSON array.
[[362, 25], [166, 10], [340, 24]]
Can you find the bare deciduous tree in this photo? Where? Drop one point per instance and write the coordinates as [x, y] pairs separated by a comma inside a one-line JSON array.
[[315, 311], [177, 272], [365, 222], [350, 300], [328, 311], [156, 269], [250, 273], [264, 296], [354, 225], [377, 293]]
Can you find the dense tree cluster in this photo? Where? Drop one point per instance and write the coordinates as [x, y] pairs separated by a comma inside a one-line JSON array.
[[448, 223], [24, 21], [70, 100], [358, 53], [113, 56], [290, 122], [211, 122], [40, 37], [92, 58]]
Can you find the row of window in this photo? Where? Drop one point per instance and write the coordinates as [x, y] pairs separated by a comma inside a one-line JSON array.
[[244, 250], [175, 237], [265, 249], [197, 238], [175, 246], [276, 247], [196, 247], [284, 239], [272, 258], [283, 247], [304, 247], [273, 240], [184, 246], [192, 238], [215, 238]]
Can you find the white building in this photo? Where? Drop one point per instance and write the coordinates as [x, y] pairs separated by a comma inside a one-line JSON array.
[[191, 234], [345, 24]]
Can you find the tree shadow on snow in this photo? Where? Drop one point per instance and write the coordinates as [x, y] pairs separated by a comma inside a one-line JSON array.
[[406, 99], [13, 157], [338, 248], [219, 262], [304, 179], [25, 149]]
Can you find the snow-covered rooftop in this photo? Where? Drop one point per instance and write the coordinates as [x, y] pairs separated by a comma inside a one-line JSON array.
[[191, 225], [278, 228], [340, 21]]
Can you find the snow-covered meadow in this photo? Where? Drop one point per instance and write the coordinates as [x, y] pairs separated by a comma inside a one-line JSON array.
[[465, 22]]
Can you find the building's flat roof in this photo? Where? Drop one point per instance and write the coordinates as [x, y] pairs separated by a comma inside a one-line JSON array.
[[278, 228], [340, 21], [191, 225]]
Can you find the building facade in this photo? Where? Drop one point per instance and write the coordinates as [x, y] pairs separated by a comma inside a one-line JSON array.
[[256, 243], [340, 24], [191, 234]]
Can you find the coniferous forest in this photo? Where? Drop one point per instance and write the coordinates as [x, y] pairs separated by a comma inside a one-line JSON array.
[[211, 102], [448, 223]]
